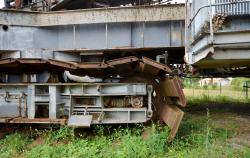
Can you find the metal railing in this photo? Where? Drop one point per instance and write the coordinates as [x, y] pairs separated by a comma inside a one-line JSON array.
[[218, 7], [226, 7], [239, 7]]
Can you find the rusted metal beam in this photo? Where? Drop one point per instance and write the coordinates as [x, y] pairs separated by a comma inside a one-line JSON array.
[[94, 16], [121, 61], [92, 66], [30, 61], [7, 61], [123, 65], [38, 121], [172, 88], [156, 64], [172, 116], [64, 64]]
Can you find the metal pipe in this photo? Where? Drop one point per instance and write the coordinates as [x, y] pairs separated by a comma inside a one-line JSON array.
[[106, 28], [7, 97], [19, 106], [75, 78], [159, 57], [25, 106], [214, 5], [74, 35], [150, 90], [211, 22]]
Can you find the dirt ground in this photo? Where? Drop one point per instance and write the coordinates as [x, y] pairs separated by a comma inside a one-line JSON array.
[[231, 117], [237, 122]]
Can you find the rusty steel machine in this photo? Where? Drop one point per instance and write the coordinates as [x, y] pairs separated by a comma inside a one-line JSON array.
[[79, 62]]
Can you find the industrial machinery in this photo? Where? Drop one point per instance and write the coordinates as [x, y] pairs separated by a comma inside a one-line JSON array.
[[218, 37], [92, 62]]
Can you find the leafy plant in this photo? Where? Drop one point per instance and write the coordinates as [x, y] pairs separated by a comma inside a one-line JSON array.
[[237, 83], [13, 145], [64, 133]]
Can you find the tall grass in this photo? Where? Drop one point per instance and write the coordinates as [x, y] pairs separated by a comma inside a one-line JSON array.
[[196, 138], [201, 97], [205, 99], [13, 145], [122, 142]]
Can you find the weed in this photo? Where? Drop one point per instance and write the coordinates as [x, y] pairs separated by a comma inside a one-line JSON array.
[[13, 145], [197, 137], [65, 133]]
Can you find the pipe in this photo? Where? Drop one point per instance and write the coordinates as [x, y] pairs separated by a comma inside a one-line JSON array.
[[75, 78], [214, 5], [150, 90], [24, 97], [19, 106], [211, 22]]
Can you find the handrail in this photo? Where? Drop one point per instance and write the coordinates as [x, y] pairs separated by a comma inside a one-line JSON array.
[[213, 5]]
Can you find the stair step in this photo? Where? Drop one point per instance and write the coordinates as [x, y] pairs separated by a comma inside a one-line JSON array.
[[80, 120]]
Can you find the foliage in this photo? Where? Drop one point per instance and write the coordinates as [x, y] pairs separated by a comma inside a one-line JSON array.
[[122, 143], [219, 100], [214, 86], [205, 86], [13, 145], [64, 133], [196, 138], [191, 82], [237, 83]]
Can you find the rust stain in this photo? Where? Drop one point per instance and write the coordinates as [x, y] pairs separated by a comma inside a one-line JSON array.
[[38, 120], [172, 87], [172, 116], [156, 64], [92, 66], [124, 60]]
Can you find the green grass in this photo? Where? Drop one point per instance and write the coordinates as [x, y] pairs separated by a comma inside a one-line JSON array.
[[122, 142], [197, 137], [201, 100], [13, 145], [200, 96], [226, 92]]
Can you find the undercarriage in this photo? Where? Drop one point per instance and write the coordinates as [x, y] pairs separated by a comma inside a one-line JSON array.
[[131, 90], [93, 66]]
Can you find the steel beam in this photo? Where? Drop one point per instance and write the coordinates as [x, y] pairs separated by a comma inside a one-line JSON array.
[[94, 16], [39, 42]]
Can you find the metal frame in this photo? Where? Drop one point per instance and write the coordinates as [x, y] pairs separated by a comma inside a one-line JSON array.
[[154, 13], [15, 98], [211, 49]]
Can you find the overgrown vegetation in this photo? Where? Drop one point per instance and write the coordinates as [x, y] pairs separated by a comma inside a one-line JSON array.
[[13, 145], [214, 93], [237, 83], [206, 99], [197, 137]]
